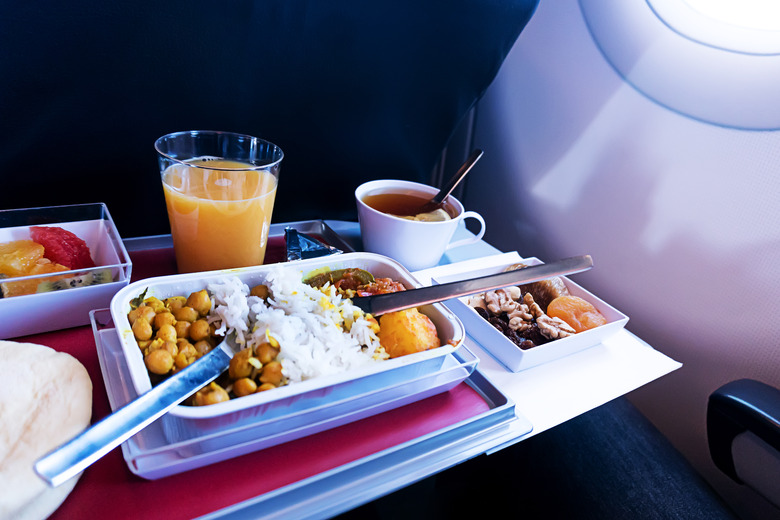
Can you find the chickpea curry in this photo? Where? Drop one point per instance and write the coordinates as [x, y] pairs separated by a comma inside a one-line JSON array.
[[174, 332]]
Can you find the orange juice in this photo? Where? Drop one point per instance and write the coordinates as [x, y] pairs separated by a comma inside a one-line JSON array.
[[219, 213]]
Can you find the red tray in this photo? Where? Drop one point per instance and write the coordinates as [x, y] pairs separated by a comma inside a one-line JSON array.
[[108, 489]]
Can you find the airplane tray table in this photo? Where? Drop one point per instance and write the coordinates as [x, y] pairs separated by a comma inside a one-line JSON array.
[[315, 475], [326, 473]]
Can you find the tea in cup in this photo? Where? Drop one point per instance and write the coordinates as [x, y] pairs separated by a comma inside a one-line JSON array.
[[395, 222]]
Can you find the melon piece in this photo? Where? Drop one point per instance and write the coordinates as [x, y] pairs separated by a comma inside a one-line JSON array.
[[62, 247]]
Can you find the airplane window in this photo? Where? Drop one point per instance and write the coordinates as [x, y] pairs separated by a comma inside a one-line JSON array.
[[747, 26], [717, 61], [752, 14]]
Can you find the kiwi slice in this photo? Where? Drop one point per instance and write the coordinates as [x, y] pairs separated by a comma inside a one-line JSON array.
[[91, 278]]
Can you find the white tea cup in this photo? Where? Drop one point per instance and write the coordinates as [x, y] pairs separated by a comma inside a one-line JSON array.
[[415, 244]]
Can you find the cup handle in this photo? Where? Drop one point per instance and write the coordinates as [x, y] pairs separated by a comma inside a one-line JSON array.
[[475, 238]]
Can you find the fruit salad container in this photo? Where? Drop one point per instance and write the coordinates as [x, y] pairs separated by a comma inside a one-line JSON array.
[[50, 280], [508, 352]]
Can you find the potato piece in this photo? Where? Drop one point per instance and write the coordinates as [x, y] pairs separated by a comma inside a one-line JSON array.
[[406, 332]]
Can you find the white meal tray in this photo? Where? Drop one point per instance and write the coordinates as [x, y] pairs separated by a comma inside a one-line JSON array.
[[184, 422], [151, 455]]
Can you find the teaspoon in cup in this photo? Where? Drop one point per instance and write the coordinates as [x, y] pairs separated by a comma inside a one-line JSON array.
[[438, 200]]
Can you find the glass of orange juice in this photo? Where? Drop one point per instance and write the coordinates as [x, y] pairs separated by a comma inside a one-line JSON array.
[[219, 189]]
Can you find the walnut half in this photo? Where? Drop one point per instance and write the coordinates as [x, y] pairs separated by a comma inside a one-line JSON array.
[[519, 317], [554, 328]]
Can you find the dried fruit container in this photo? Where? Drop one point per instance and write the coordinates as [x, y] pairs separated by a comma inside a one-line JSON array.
[[288, 404], [66, 301], [505, 350]]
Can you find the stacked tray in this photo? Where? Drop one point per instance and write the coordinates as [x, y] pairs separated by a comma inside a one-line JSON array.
[[151, 455]]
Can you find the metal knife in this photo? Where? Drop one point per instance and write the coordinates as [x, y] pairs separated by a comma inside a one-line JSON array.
[[379, 304]]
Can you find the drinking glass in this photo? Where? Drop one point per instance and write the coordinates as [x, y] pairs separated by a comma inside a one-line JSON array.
[[219, 190]]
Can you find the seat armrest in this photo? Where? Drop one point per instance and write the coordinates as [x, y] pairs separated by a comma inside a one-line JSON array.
[[741, 406]]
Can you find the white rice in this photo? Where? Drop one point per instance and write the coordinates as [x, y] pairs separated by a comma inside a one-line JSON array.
[[318, 332]]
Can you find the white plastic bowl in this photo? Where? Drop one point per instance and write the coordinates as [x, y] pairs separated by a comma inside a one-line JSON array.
[[47, 311], [506, 351]]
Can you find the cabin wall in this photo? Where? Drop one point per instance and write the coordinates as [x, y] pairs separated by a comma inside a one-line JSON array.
[[681, 217]]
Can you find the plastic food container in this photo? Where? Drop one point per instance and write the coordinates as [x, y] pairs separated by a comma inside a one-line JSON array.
[[61, 309], [184, 422], [149, 453], [506, 351]]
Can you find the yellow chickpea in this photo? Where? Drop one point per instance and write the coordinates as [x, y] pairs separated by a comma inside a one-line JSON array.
[[204, 346], [186, 355], [133, 315], [186, 313], [199, 330], [159, 361], [240, 365], [171, 347], [200, 301], [161, 344], [261, 291], [141, 311], [265, 386], [155, 303], [163, 318], [182, 329], [174, 332], [155, 344], [142, 329], [166, 333], [272, 373], [244, 386], [212, 394], [184, 343], [175, 302], [266, 352]]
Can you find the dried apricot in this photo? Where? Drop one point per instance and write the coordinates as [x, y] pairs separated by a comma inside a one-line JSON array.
[[575, 311]]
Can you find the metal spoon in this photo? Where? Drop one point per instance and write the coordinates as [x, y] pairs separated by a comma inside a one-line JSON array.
[[73, 457], [438, 200]]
